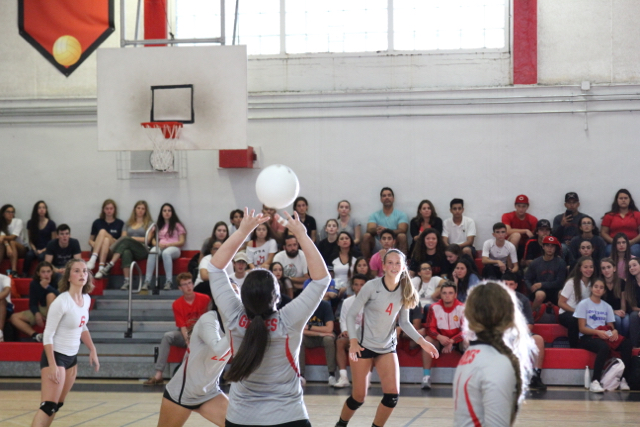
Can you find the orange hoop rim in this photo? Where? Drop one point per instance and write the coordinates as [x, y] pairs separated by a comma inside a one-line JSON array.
[[169, 129]]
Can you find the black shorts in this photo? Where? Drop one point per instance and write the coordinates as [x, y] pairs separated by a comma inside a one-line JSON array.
[[299, 423], [62, 360], [167, 396], [368, 354]]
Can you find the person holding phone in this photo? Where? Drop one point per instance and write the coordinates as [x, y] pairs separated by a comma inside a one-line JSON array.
[[566, 225]]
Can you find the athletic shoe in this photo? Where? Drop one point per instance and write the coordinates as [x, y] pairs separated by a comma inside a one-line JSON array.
[[595, 387], [624, 386], [125, 285], [167, 285], [1, 336], [91, 263], [38, 338], [426, 382], [342, 382], [332, 381], [104, 271], [153, 381], [537, 384], [145, 285]]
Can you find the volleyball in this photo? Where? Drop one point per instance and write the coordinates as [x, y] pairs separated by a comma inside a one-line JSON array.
[[277, 186], [67, 50]]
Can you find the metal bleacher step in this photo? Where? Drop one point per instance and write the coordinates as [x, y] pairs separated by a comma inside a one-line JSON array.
[[138, 325]]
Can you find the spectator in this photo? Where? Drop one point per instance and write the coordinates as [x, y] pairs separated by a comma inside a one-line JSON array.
[[614, 295], [319, 333], [575, 290], [286, 288], [546, 275], [443, 328], [520, 224], [329, 244], [220, 233], [301, 205], [294, 263], [240, 264], [362, 267], [388, 241], [203, 273], [41, 230], [586, 249], [343, 262], [235, 217], [426, 284], [429, 248], [426, 217], [276, 223], [498, 254], [632, 301], [104, 232], [452, 252], [5, 302], [533, 248], [41, 295], [463, 277], [186, 310], [342, 342], [588, 231], [621, 254], [172, 236], [386, 218], [261, 247], [459, 229], [346, 223], [12, 244], [566, 225], [62, 250], [622, 218]]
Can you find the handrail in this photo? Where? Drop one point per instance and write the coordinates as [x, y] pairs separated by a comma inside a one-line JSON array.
[[134, 264], [155, 250]]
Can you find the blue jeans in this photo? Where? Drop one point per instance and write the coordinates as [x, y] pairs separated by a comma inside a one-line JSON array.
[[622, 325]]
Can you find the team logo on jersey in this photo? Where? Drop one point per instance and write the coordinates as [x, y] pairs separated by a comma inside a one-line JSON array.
[[456, 318], [83, 321]]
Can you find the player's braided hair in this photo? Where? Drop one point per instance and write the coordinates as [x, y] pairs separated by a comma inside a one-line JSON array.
[[410, 297]]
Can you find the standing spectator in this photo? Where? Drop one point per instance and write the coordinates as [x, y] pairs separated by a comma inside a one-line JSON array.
[[342, 342], [62, 250], [614, 295], [104, 232], [294, 263], [41, 230], [386, 218], [172, 236], [588, 231], [12, 244], [319, 333], [426, 217], [343, 262], [546, 275], [632, 301], [520, 224], [533, 248], [261, 247], [329, 244], [301, 206], [621, 254], [459, 229], [5, 302], [622, 218], [186, 310], [41, 295], [388, 241], [240, 264], [498, 254], [575, 290], [426, 284]]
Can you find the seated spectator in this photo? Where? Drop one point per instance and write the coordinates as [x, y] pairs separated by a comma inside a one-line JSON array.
[[240, 264], [203, 273], [588, 231], [104, 232], [429, 248], [301, 206], [459, 229], [597, 333], [387, 218], [319, 333], [131, 245], [533, 248], [262, 247], [622, 218], [452, 252], [220, 233], [426, 217], [388, 241], [41, 295], [546, 275], [5, 302], [276, 223], [621, 254], [520, 224], [343, 262], [511, 280], [586, 249], [575, 290], [329, 244], [286, 288], [62, 249], [294, 263], [566, 225], [172, 236], [40, 230], [498, 254], [614, 295], [426, 284], [346, 223], [235, 217], [463, 277], [443, 328], [362, 267], [632, 301], [342, 342], [187, 309], [12, 244]]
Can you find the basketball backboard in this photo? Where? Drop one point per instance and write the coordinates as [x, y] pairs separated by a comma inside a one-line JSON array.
[[205, 87]]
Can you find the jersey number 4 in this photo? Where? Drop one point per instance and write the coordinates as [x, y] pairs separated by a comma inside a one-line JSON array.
[[389, 309]]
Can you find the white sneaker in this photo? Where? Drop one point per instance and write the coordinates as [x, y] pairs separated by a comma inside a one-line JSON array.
[[145, 285], [624, 386], [332, 381], [167, 285], [426, 382], [39, 337], [1, 336], [91, 264], [125, 285], [595, 387], [342, 382], [104, 271]]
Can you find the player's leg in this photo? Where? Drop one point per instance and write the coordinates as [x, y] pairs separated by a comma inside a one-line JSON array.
[[389, 373], [215, 410], [360, 371], [172, 414], [49, 397]]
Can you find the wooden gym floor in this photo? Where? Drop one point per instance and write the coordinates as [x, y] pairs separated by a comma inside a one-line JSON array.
[[127, 403]]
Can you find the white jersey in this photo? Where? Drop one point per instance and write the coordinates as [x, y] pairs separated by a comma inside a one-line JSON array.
[[484, 388], [346, 305], [196, 381], [65, 323]]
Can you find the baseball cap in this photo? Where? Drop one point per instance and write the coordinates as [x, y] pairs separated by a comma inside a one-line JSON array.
[[550, 240], [522, 199], [241, 256], [571, 195], [543, 223]]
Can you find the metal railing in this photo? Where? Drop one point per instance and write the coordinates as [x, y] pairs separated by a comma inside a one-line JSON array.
[[134, 265], [154, 250]]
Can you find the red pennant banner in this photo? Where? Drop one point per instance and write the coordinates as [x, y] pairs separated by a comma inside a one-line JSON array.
[[65, 32]]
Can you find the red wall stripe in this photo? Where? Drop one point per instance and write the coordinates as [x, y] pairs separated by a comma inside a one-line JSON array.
[[155, 20], [525, 42]]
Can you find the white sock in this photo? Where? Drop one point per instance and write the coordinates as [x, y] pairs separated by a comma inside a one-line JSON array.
[[343, 373], [94, 257], [110, 263]]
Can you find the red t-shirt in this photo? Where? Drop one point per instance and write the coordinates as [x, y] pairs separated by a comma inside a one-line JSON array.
[[188, 314], [627, 225], [528, 223]]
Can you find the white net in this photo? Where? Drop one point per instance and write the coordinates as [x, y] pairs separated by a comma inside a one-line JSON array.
[[163, 135]]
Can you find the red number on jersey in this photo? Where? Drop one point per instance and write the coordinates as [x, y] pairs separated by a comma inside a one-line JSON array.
[[389, 309]]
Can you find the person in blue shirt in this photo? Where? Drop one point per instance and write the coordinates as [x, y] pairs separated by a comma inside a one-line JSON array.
[[386, 218]]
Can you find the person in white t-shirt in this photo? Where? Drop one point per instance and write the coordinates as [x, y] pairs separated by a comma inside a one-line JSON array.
[[459, 229], [5, 301], [575, 290], [343, 262], [426, 283], [240, 264], [342, 342], [498, 254], [11, 243], [262, 247], [203, 273], [294, 263]]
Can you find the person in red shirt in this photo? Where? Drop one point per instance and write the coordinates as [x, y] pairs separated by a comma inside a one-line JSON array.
[[443, 328], [623, 217], [186, 310], [520, 224]]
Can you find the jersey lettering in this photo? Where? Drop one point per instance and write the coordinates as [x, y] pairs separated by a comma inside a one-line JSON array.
[[271, 324], [389, 309], [83, 321], [468, 357]]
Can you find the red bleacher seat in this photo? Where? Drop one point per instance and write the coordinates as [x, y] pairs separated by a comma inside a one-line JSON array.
[[176, 354], [22, 286], [549, 331], [20, 351], [20, 304], [6, 265], [568, 358]]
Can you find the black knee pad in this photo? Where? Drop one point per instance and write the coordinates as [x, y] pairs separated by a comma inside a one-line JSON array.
[[390, 400], [49, 408], [353, 404], [59, 406]]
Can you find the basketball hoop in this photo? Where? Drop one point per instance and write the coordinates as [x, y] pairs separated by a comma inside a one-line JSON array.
[[164, 143]]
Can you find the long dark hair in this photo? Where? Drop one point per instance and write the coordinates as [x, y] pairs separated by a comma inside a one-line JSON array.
[[270, 235], [3, 222], [351, 252], [631, 288], [614, 251], [463, 284], [215, 227], [33, 227], [173, 221], [418, 218], [595, 230], [576, 276], [369, 274], [420, 249], [614, 206], [259, 294], [617, 286], [282, 280]]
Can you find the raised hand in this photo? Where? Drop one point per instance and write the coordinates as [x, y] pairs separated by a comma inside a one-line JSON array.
[[250, 221]]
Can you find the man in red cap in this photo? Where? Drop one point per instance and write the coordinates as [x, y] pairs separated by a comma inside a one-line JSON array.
[[520, 224], [546, 275]]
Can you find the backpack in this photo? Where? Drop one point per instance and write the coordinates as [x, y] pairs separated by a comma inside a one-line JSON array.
[[612, 374], [633, 373]]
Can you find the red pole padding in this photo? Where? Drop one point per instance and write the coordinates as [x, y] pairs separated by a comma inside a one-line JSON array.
[[525, 42], [155, 20]]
